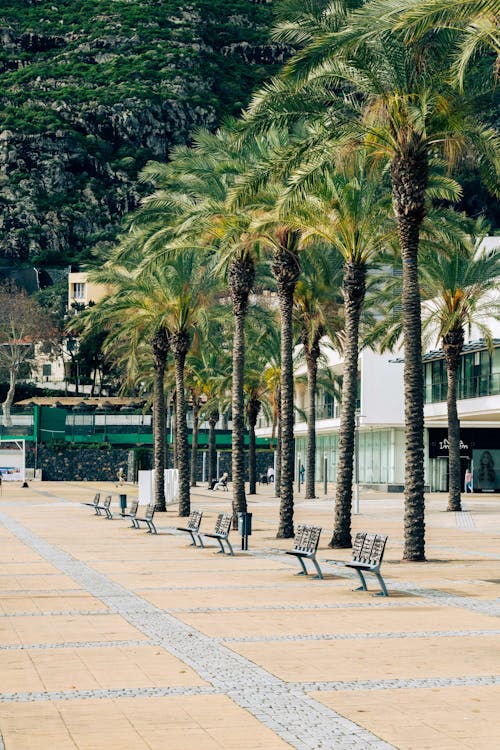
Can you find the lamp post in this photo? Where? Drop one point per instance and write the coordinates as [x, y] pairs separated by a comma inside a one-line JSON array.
[[356, 467]]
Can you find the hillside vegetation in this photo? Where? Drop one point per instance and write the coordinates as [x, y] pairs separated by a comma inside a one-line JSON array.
[[90, 91]]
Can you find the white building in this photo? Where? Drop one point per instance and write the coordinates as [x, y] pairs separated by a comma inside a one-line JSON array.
[[380, 420]]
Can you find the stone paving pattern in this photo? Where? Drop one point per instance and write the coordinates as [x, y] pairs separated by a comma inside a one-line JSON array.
[[112, 639]]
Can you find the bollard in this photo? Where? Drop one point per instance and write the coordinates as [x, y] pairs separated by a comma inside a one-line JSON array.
[[325, 475], [123, 503]]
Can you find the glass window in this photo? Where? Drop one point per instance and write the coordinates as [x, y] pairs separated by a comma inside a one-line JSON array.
[[484, 373], [79, 291], [46, 371]]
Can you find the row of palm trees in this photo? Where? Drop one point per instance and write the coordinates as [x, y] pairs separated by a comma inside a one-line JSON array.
[[366, 114]]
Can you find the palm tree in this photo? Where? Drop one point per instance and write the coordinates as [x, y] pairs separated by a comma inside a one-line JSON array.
[[475, 25], [317, 303], [404, 113], [192, 291], [457, 287], [263, 347], [203, 175], [134, 315], [209, 381], [348, 211]]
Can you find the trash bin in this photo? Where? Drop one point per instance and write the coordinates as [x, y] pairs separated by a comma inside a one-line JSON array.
[[123, 503], [244, 528]]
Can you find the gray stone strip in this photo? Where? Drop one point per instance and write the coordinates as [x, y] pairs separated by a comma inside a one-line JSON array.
[[429, 682], [74, 644], [359, 636], [464, 520], [299, 720], [57, 612], [73, 695], [379, 604]]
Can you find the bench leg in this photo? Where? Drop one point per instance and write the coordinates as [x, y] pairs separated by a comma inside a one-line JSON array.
[[222, 550], [193, 540], [231, 552], [382, 584], [109, 514], [363, 582], [315, 563], [151, 527], [303, 572]]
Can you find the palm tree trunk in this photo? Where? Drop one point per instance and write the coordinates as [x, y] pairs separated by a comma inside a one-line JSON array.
[[174, 433], [241, 278], [194, 440], [252, 414], [453, 344], [212, 448], [354, 286], [277, 478], [286, 270], [160, 346], [180, 345], [409, 180], [312, 355], [159, 437]]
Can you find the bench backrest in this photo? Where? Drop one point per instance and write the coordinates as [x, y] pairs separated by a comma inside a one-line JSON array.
[[150, 511], [369, 548], [223, 524], [145, 511], [97, 497], [133, 507], [306, 538], [195, 520], [107, 501]]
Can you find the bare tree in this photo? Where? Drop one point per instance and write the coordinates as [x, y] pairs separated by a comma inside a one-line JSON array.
[[23, 322]]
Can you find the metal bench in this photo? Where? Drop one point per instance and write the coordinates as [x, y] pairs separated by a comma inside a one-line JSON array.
[[193, 527], [221, 532], [132, 512], [104, 507], [305, 547], [367, 554], [95, 502], [147, 518]]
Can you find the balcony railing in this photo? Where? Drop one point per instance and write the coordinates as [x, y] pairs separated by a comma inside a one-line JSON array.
[[470, 388]]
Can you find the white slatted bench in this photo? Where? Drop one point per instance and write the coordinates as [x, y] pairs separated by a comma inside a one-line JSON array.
[[94, 503], [367, 554], [104, 507], [193, 527], [221, 532], [146, 518], [305, 547]]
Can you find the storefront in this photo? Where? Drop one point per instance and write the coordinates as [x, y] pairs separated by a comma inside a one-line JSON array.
[[479, 450]]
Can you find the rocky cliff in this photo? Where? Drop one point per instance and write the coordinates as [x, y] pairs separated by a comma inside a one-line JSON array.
[[90, 91]]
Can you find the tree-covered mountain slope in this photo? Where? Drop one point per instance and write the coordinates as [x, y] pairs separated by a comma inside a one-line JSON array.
[[90, 90]]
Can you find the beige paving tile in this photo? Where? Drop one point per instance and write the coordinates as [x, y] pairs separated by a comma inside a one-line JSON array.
[[208, 722], [421, 719], [92, 669], [313, 621], [66, 629], [50, 603], [37, 583], [394, 658]]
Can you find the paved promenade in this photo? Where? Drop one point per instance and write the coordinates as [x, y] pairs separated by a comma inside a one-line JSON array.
[[114, 639]]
